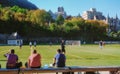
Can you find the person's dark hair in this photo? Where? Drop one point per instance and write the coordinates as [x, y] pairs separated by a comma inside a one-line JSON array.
[[59, 51], [34, 51], [12, 51]]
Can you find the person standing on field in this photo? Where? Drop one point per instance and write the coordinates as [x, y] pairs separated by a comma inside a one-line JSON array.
[[30, 44], [63, 46], [35, 44], [101, 44]]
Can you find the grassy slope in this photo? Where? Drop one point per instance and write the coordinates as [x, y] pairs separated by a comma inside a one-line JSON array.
[[85, 55]]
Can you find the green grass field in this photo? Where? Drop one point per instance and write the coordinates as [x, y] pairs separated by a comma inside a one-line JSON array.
[[84, 55]]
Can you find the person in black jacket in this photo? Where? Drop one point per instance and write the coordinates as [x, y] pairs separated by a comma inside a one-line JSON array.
[[63, 46]]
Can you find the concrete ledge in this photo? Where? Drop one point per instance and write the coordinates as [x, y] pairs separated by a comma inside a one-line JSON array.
[[69, 70]]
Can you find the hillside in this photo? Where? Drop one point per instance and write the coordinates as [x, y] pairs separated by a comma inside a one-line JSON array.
[[20, 3]]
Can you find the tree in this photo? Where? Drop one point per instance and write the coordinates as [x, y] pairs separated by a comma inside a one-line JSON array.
[[59, 20], [118, 34], [14, 8], [19, 16], [40, 17], [68, 26], [95, 30], [6, 14], [47, 18]]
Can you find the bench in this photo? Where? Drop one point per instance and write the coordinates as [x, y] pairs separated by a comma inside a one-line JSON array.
[[8, 71], [70, 70], [111, 69], [44, 70]]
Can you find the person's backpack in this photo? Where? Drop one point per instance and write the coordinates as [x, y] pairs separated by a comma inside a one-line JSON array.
[[19, 64], [61, 60]]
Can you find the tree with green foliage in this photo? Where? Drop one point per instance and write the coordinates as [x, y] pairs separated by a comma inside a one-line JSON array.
[[39, 23], [14, 8], [59, 20], [40, 17]]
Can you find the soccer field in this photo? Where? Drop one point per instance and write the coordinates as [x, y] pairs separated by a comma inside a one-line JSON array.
[[84, 55]]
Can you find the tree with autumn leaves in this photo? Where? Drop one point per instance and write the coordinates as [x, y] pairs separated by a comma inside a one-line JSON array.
[[39, 23]]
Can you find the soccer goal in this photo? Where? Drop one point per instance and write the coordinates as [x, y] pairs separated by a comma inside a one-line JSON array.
[[73, 42]]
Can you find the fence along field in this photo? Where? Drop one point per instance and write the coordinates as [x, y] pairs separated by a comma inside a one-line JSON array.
[[84, 55]]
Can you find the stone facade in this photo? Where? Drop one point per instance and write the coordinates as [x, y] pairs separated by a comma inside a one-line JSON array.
[[92, 14], [114, 23], [59, 12]]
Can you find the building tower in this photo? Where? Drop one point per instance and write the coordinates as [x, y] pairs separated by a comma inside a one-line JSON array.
[[60, 9]]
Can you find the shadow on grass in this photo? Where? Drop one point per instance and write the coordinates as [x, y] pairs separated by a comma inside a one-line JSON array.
[[3, 60], [92, 58]]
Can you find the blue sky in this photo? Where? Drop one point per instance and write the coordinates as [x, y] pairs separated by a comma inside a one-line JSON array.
[[74, 7]]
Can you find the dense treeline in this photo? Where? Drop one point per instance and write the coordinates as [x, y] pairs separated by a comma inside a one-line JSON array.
[[39, 23]]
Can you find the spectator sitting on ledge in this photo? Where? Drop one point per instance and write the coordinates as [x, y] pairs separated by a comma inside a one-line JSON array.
[[12, 60], [34, 60], [59, 59]]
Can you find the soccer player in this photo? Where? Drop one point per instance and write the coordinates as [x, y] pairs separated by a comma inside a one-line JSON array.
[[63, 46]]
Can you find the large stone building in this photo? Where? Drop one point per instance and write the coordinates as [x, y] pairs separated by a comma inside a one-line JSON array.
[[114, 23], [59, 12], [92, 14]]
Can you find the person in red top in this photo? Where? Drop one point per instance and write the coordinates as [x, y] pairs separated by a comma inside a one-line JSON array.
[[34, 60]]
